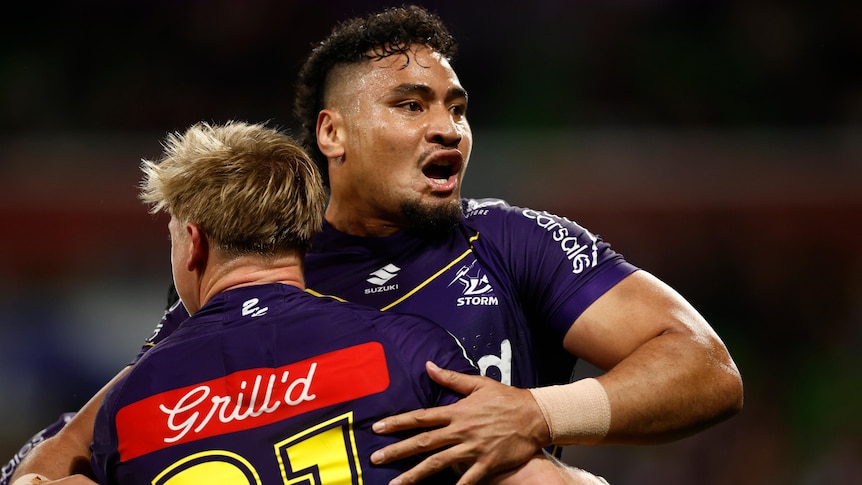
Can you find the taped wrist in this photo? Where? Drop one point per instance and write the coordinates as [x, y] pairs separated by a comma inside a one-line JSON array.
[[576, 413], [30, 479]]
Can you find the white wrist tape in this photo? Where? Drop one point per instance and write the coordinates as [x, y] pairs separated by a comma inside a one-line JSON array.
[[576, 413], [30, 479]]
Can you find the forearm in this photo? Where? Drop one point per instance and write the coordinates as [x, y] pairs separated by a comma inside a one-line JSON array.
[[54, 458], [668, 374], [68, 452], [670, 387]]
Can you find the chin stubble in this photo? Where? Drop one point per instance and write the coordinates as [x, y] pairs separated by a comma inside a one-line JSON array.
[[431, 220]]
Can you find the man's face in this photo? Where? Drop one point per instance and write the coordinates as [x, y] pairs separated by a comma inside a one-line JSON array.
[[406, 140]]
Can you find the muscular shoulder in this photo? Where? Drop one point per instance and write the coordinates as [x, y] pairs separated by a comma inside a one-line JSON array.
[[537, 246], [477, 210], [498, 221], [489, 213], [491, 216]]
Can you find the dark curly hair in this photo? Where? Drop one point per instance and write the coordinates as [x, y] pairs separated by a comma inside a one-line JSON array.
[[356, 40]]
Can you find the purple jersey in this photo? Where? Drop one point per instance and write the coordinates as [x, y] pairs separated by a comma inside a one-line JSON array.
[[508, 282], [270, 384]]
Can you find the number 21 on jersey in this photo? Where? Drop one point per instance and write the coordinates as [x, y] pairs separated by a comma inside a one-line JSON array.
[[324, 454]]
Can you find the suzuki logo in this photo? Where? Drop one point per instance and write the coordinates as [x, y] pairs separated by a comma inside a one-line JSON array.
[[384, 274]]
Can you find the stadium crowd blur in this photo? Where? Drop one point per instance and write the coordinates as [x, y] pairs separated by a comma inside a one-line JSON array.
[[717, 144]]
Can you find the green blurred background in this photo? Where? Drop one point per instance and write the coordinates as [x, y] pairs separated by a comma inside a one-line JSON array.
[[717, 144]]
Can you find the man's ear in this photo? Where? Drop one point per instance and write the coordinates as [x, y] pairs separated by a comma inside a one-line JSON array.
[[198, 248], [329, 135]]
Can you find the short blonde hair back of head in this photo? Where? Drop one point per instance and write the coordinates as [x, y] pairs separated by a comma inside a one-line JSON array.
[[250, 188]]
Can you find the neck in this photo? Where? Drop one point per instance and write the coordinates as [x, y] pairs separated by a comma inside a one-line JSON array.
[[350, 221], [248, 271]]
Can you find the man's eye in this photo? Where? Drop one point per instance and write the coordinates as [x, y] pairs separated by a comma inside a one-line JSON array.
[[412, 106], [458, 110]]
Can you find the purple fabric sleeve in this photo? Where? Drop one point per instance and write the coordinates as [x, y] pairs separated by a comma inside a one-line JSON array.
[[559, 267]]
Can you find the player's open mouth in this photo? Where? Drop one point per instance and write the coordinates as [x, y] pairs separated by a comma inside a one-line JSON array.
[[439, 173], [442, 170]]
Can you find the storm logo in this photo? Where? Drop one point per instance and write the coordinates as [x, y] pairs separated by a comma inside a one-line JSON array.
[[477, 289]]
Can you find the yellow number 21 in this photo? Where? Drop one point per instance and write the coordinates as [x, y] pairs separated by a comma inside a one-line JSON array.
[[324, 454]]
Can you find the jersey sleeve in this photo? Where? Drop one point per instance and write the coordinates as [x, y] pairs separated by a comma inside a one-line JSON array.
[[558, 267], [172, 318]]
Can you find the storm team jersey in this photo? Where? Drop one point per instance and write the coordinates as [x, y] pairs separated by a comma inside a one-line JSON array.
[[508, 282], [270, 384]]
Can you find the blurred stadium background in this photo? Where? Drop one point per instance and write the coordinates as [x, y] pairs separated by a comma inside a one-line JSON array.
[[717, 144]]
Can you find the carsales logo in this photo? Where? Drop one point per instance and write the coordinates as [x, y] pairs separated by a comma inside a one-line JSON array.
[[581, 255]]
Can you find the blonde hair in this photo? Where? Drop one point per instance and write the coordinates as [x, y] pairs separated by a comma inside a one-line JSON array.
[[250, 188]]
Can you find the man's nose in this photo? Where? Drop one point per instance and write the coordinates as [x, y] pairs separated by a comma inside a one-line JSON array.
[[444, 129]]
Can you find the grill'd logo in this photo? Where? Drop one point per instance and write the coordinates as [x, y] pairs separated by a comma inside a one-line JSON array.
[[250, 398]]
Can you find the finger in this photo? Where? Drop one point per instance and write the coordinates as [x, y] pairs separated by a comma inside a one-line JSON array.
[[419, 418], [456, 381], [473, 475], [420, 443], [431, 465]]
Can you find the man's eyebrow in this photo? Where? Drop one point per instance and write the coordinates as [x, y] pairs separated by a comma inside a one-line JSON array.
[[456, 93], [413, 88], [426, 91]]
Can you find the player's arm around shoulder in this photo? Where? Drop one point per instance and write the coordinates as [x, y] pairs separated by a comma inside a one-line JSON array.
[[66, 454], [668, 372]]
